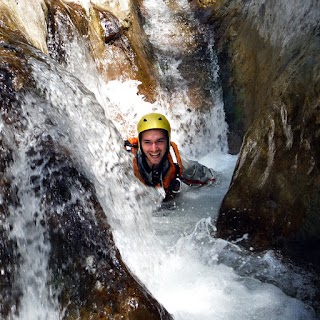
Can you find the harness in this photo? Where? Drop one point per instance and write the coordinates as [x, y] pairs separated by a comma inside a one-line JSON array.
[[171, 181]]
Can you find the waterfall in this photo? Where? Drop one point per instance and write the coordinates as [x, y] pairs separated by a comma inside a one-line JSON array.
[[198, 127], [173, 253], [32, 239]]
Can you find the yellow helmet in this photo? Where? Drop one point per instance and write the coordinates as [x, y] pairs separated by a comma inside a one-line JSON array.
[[154, 121]]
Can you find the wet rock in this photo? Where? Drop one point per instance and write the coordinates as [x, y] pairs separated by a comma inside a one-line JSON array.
[[186, 44], [144, 54], [86, 267], [14, 17], [112, 41], [270, 76], [64, 24], [9, 258], [86, 274]]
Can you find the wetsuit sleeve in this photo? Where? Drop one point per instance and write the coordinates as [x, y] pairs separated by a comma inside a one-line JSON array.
[[194, 173]]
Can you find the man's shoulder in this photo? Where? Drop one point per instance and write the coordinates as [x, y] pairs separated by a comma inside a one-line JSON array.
[[131, 144], [132, 141]]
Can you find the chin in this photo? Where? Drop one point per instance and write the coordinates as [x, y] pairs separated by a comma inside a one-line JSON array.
[[154, 163]]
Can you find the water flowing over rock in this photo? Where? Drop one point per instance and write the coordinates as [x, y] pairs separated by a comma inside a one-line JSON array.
[[185, 71], [268, 54], [56, 245], [57, 252]]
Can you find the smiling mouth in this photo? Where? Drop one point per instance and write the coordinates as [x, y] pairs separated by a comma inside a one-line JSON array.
[[154, 158], [156, 155]]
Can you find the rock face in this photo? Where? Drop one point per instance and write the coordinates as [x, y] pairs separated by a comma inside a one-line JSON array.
[[269, 63], [48, 197], [268, 54], [86, 267]]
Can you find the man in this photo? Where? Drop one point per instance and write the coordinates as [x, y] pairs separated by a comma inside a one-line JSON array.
[[157, 160]]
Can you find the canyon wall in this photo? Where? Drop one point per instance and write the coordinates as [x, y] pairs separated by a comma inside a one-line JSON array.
[[269, 65]]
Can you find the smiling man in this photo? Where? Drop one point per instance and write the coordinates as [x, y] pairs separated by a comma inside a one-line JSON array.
[[158, 162]]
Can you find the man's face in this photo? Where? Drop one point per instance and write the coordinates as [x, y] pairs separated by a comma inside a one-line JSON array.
[[154, 144]]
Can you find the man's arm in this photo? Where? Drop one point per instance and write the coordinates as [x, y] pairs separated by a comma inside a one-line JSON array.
[[196, 174]]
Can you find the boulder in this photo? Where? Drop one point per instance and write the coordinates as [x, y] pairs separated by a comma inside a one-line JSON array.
[[268, 54]]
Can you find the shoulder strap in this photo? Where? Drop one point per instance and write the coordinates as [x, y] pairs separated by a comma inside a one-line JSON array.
[[176, 159]]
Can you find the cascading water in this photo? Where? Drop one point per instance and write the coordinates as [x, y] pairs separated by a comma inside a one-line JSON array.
[[175, 34], [31, 238], [194, 275]]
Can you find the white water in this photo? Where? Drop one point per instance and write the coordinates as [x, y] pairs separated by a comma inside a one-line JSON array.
[[31, 238], [283, 21], [174, 33], [194, 275], [187, 270]]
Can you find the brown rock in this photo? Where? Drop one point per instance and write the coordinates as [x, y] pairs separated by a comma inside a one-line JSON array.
[[271, 93]]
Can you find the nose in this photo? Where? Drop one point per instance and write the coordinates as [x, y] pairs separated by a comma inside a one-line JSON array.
[[154, 146]]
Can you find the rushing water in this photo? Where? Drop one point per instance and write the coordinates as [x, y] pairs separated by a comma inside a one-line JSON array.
[[174, 33], [173, 252], [32, 242]]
